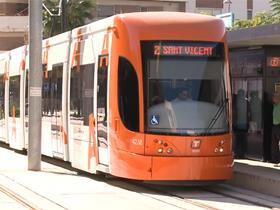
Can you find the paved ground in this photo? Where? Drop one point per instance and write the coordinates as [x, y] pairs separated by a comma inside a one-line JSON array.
[[58, 188]]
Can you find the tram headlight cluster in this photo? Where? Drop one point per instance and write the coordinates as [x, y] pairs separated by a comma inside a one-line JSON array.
[[163, 147], [220, 147]]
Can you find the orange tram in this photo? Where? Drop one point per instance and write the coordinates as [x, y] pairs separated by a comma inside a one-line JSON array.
[[144, 96]]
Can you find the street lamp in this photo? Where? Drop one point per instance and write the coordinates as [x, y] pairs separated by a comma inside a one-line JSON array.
[[228, 2]]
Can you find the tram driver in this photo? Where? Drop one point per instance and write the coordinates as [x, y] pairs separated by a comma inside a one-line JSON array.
[[184, 94]]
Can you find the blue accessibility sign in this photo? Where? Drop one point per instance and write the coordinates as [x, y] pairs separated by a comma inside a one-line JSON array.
[[154, 120]]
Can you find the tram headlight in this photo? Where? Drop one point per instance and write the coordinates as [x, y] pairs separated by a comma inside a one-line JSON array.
[[160, 150], [221, 142], [221, 149], [160, 142], [169, 150]]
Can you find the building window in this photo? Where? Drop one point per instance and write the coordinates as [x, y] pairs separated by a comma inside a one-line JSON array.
[[249, 14], [250, 4], [209, 3], [13, 9], [119, 9], [209, 11], [149, 9], [204, 11], [105, 11]]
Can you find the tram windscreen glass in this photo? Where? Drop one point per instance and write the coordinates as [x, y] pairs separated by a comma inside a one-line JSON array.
[[184, 87]]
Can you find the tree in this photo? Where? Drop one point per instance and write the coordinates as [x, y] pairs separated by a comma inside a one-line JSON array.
[[275, 5], [262, 18], [76, 13]]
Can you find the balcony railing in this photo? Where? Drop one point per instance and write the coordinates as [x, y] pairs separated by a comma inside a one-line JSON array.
[[13, 23]]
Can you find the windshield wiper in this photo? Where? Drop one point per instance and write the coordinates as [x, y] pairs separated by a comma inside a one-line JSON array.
[[216, 116]]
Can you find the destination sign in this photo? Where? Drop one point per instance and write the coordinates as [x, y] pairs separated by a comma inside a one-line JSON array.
[[186, 50], [177, 48]]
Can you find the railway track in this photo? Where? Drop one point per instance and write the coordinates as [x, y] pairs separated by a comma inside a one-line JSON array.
[[26, 197], [17, 198]]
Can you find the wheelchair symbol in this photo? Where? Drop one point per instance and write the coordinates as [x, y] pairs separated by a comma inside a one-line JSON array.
[[155, 120]]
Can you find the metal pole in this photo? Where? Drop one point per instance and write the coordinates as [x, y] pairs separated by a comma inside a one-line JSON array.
[[63, 16], [35, 87]]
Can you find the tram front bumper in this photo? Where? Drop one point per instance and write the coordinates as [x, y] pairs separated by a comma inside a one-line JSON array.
[[192, 168], [143, 167]]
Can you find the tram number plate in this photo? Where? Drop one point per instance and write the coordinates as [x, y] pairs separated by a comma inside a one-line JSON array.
[[137, 141]]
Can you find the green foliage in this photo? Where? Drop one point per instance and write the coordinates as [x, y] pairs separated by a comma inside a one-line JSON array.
[[76, 12], [275, 5], [48, 25], [262, 18]]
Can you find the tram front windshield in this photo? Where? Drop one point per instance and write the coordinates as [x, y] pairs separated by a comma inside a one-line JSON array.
[[184, 87]]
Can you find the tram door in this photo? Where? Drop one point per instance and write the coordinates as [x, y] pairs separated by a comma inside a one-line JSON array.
[[3, 134], [26, 104], [102, 125], [248, 122], [2, 110], [56, 110]]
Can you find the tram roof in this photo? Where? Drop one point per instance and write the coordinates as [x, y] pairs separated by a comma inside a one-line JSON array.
[[167, 17], [152, 25], [256, 36]]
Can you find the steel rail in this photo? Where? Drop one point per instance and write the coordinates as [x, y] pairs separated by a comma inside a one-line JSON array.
[[19, 199]]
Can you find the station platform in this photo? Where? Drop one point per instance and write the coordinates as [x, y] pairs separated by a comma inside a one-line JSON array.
[[56, 187], [257, 176]]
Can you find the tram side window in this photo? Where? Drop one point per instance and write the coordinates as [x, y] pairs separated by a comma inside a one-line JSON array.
[[56, 89], [46, 94], [81, 93], [14, 96], [128, 95], [52, 91], [26, 93], [2, 97]]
